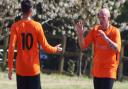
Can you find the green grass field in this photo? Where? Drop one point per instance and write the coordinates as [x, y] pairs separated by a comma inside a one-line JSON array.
[[56, 81]]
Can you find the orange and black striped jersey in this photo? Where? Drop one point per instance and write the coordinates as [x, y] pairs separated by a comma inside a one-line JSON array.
[[27, 34]]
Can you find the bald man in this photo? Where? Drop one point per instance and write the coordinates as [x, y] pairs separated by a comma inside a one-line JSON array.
[[107, 45]]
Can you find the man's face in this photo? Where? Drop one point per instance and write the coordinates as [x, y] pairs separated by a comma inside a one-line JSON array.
[[104, 20]]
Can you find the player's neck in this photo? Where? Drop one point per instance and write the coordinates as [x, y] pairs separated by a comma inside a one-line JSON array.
[[26, 17]]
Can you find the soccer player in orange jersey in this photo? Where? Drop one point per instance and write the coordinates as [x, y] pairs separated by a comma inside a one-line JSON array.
[[107, 45], [27, 34]]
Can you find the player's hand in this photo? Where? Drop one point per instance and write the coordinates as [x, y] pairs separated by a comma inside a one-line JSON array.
[[59, 48], [102, 34], [10, 75], [79, 28]]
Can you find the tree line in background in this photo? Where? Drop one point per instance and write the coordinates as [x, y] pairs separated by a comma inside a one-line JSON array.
[[59, 16]]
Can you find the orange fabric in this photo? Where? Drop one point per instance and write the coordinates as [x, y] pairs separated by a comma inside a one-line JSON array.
[[26, 34], [106, 60]]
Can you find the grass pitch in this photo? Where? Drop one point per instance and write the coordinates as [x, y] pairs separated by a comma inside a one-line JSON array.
[[56, 81]]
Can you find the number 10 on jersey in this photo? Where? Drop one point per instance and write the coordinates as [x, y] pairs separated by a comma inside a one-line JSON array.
[[26, 38]]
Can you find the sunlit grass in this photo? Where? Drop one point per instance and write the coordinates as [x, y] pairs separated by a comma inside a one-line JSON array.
[[57, 81]]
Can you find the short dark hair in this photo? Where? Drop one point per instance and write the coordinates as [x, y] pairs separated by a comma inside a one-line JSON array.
[[26, 5]]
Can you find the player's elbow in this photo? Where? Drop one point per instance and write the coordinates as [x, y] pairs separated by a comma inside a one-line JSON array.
[[117, 49]]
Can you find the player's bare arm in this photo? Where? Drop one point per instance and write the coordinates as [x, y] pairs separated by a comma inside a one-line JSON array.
[[79, 31]]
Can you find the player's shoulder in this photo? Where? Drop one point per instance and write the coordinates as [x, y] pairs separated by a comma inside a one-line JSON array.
[[35, 23], [16, 23], [114, 29], [96, 27]]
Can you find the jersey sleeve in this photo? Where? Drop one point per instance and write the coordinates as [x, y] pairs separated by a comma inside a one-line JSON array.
[[117, 40], [88, 39], [12, 43], [43, 41]]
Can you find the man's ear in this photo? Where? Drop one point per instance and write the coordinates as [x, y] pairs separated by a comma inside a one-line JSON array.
[[109, 18]]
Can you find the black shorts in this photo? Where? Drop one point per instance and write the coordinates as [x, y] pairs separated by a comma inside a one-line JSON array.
[[28, 82], [103, 83]]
